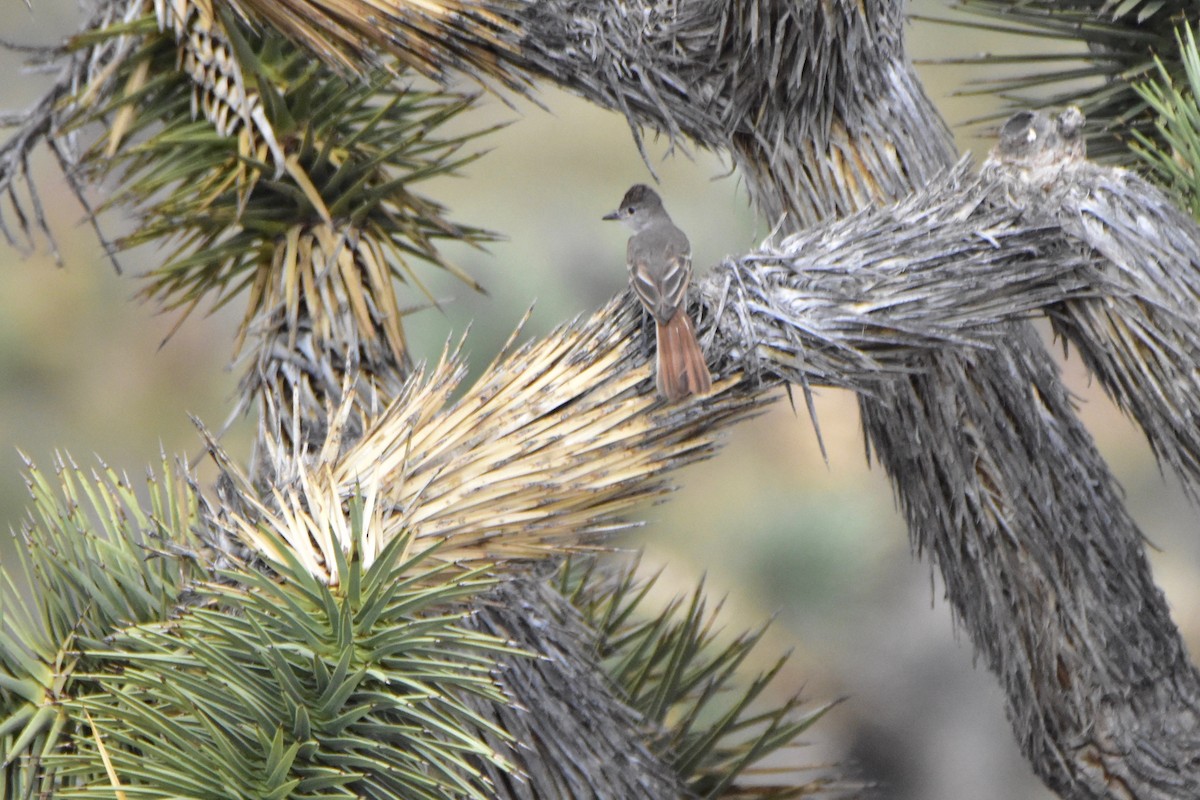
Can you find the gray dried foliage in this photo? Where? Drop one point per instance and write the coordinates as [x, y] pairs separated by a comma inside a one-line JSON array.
[[22, 215], [1141, 341], [918, 308], [849, 302], [557, 697], [755, 78]]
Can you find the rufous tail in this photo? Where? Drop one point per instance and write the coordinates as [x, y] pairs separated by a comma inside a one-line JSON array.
[[681, 367]]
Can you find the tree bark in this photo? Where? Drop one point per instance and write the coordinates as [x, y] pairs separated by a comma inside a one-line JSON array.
[[817, 101], [551, 694]]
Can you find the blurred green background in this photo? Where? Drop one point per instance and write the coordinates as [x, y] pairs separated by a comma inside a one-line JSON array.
[[769, 524]]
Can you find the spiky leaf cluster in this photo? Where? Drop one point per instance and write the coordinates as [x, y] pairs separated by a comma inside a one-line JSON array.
[[227, 200], [672, 668], [266, 683], [465, 36], [89, 561], [545, 453], [219, 86], [1120, 43], [288, 688], [1174, 152]]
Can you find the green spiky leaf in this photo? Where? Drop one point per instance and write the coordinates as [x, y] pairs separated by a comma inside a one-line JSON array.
[[1173, 154], [282, 686], [91, 560], [284, 145], [672, 668]]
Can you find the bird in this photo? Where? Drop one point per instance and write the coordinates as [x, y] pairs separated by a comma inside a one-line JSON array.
[[659, 258]]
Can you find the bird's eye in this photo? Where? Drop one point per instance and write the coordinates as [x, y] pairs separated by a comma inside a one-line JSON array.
[[629, 211]]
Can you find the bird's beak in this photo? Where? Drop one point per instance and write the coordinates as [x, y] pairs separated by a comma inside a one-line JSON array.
[[612, 215]]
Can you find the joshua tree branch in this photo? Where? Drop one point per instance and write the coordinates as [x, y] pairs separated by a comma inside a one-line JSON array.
[[920, 307], [756, 78], [916, 306], [1046, 573], [1142, 343]]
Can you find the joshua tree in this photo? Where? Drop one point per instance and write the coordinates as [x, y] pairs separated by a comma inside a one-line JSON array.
[[403, 594]]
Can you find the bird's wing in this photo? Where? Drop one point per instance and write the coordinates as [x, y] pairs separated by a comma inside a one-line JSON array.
[[660, 269]]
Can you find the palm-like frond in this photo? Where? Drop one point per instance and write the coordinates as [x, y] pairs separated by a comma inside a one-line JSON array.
[[94, 561], [435, 37], [1174, 152], [284, 687], [671, 668], [352, 151], [1121, 42], [543, 454]]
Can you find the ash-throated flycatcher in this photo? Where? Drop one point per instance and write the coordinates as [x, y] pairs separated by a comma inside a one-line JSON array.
[[660, 268]]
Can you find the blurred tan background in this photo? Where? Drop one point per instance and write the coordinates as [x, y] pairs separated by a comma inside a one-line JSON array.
[[775, 529]]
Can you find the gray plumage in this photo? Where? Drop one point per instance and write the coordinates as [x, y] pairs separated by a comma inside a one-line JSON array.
[[658, 255], [659, 258]]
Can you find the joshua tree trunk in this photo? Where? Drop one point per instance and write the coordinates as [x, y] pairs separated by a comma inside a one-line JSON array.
[[1001, 485]]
